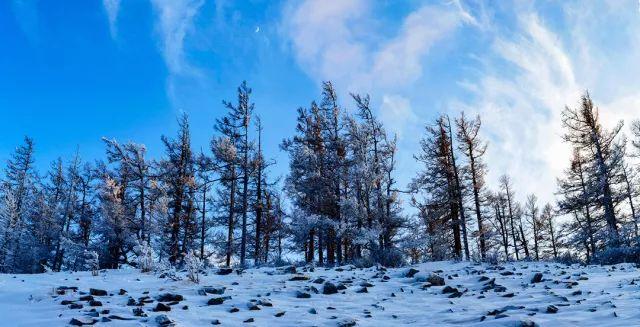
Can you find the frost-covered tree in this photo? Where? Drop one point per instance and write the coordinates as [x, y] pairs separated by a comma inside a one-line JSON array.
[[177, 173], [603, 153]]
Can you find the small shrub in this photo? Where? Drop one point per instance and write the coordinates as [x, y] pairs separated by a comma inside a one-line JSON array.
[[193, 264]]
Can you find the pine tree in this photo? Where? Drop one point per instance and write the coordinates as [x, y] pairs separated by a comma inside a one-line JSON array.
[[603, 154], [177, 171], [473, 149]]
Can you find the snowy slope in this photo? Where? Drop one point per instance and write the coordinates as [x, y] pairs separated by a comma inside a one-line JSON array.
[[583, 296]]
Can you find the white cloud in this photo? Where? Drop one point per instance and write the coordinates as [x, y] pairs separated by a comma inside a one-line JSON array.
[[174, 21], [397, 114], [521, 106], [333, 41], [112, 7]]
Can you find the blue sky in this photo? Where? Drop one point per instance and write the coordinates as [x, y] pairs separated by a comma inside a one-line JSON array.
[[72, 72]]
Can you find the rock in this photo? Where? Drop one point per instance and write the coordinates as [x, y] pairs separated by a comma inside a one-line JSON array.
[[411, 272], [298, 278], [169, 297], [252, 307], [448, 289], [122, 292], [509, 295], [105, 319], [214, 290], [435, 280], [97, 292], [552, 309], [114, 317], [95, 303], [215, 301], [318, 280], [302, 295], [234, 310], [138, 312], [362, 290], [265, 303], [86, 298], [455, 294], [506, 273], [131, 301], [576, 293], [224, 271], [526, 323], [216, 322], [537, 278], [366, 284], [66, 302], [279, 314], [313, 311], [161, 307], [329, 288], [163, 320], [349, 322], [290, 270], [82, 322], [74, 306], [249, 320], [483, 278]]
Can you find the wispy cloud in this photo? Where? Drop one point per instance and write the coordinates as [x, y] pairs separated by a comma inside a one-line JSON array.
[[332, 40], [26, 13], [112, 7], [175, 19]]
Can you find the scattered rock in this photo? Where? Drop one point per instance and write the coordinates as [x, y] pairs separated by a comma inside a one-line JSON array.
[[435, 280], [298, 278], [362, 290], [329, 288], [215, 301], [169, 297], [163, 320], [411, 272], [302, 295], [552, 309], [95, 303], [213, 290], [161, 307], [97, 292], [347, 323], [82, 322], [138, 312], [279, 314], [537, 278], [224, 271]]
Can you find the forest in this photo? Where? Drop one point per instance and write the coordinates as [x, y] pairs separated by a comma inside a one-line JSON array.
[[338, 204]]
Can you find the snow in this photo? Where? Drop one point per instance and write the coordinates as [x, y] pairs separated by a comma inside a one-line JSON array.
[[609, 296]]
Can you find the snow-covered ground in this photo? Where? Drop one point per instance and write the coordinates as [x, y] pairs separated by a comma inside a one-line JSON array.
[[565, 296]]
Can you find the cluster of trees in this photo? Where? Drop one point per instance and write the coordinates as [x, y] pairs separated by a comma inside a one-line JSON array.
[[594, 220], [599, 187], [343, 205], [216, 205], [463, 219], [341, 185]]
